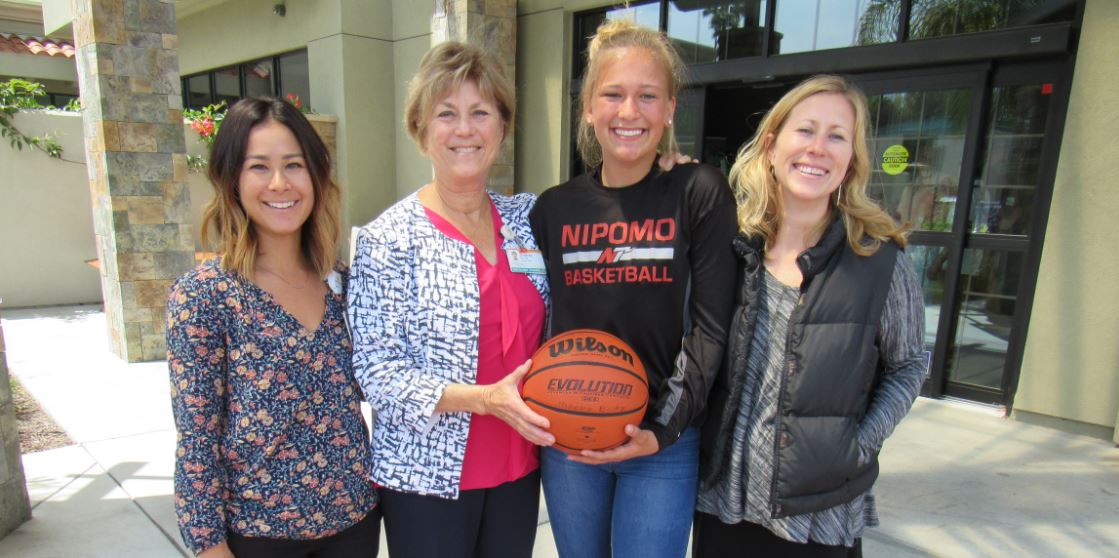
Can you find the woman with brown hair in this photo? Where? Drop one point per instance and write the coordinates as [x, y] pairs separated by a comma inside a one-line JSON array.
[[271, 457]]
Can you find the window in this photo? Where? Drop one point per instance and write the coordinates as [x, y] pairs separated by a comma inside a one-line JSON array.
[[275, 75]]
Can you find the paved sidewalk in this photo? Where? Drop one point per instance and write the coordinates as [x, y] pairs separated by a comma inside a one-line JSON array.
[[958, 480]]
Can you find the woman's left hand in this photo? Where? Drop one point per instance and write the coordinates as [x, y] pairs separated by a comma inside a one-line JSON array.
[[640, 443]]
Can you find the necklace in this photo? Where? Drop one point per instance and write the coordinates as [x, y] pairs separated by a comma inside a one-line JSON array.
[[306, 280]]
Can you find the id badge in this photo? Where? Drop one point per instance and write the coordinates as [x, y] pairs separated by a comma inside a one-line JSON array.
[[524, 260]]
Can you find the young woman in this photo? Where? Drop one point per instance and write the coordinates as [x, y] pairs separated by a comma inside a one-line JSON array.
[[826, 349], [644, 254], [271, 457]]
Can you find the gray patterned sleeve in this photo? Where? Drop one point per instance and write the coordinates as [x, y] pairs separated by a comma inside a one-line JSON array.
[[381, 301], [902, 351]]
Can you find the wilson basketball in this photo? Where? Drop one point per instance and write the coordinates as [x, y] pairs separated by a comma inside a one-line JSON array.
[[589, 384]]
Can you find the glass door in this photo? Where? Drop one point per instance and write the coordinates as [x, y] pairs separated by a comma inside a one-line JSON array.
[[960, 157], [922, 131]]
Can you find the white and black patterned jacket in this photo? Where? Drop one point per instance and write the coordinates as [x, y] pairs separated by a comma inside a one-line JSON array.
[[414, 311]]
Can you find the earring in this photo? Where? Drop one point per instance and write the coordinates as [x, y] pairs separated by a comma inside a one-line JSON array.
[[669, 122]]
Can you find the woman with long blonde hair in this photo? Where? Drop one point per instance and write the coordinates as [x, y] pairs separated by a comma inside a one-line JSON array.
[[826, 351]]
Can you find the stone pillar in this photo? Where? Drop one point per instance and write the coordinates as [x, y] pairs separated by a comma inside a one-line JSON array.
[[15, 508], [491, 24], [128, 73]]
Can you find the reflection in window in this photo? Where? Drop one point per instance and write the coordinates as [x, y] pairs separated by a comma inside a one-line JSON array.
[[926, 129], [295, 76], [258, 78], [938, 18], [988, 296], [198, 91], [807, 25], [712, 30], [930, 262], [227, 84], [1003, 199]]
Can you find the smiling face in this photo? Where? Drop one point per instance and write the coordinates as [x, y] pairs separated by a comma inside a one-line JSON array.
[[464, 137], [813, 149], [275, 187], [630, 106]]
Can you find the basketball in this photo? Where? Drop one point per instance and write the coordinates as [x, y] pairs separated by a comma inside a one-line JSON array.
[[589, 384]]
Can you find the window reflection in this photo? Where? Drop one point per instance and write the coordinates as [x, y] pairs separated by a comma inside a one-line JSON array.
[[807, 25], [929, 262], [1003, 199], [295, 76], [938, 18], [258, 78], [712, 30], [988, 297]]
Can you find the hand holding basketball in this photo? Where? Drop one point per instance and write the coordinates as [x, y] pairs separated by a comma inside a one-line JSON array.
[[640, 443], [503, 400]]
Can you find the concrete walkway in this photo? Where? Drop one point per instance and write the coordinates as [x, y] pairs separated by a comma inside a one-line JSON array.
[[958, 480]]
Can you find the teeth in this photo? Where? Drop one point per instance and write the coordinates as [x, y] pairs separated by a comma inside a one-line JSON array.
[[280, 205], [465, 149], [811, 170], [627, 133]]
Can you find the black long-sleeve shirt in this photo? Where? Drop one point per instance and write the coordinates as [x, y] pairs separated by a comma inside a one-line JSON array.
[[652, 264]]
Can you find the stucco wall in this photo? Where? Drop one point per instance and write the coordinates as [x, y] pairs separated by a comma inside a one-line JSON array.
[[45, 219], [543, 68], [1071, 364]]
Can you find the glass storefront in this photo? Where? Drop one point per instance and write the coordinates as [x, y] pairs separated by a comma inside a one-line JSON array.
[[963, 149]]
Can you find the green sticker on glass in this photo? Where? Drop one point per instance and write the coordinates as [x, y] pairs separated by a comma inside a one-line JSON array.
[[895, 159]]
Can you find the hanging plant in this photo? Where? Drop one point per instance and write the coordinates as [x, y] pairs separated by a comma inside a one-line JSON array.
[[17, 95]]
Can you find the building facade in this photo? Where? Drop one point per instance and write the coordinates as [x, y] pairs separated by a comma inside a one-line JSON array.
[[989, 122]]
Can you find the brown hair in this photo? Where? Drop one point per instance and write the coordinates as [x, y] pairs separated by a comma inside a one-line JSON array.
[[445, 67], [224, 219], [758, 193], [622, 33]]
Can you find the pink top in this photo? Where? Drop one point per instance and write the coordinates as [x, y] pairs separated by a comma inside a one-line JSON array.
[[512, 320]]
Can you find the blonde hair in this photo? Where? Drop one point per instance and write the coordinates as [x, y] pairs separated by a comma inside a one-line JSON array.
[[225, 226], [446, 67], [621, 34], [759, 195]]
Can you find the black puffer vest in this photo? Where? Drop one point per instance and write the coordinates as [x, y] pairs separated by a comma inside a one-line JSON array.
[[831, 370]]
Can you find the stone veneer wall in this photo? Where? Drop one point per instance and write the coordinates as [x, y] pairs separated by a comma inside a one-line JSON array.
[[491, 24], [15, 507], [128, 73]]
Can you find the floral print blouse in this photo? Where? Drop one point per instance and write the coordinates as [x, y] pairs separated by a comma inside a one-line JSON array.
[[271, 442]]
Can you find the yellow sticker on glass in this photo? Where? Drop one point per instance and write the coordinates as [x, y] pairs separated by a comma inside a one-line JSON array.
[[895, 160]]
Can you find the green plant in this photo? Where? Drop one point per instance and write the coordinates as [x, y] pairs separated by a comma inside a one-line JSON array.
[[16, 95], [207, 120]]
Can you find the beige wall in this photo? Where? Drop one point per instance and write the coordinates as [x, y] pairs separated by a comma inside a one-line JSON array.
[[1071, 364], [45, 219], [542, 92]]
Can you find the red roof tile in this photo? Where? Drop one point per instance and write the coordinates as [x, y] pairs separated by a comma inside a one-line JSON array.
[[26, 44]]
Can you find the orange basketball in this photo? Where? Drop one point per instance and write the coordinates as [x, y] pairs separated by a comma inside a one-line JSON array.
[[589, 384]]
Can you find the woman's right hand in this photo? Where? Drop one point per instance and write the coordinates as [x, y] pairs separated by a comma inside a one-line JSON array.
[[220, 550], [503, 400]]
